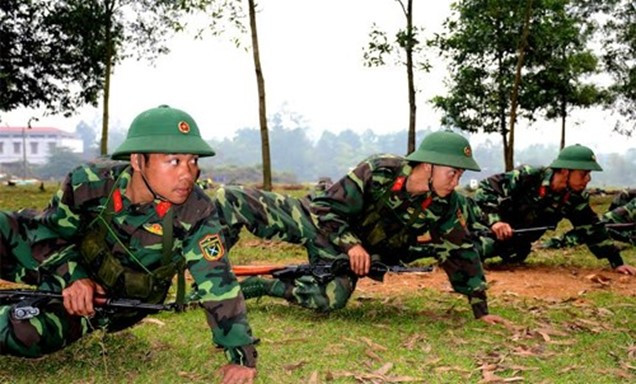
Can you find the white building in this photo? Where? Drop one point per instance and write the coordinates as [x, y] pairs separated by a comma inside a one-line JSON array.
[[39, 143]]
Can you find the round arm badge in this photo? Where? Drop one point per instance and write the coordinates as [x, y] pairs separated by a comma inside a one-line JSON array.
[[212, 247]]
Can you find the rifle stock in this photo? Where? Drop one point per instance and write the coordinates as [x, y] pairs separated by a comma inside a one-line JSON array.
[[25, 303]]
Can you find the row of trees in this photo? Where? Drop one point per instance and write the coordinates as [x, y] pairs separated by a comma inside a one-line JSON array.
[[507, 59], [298, 158]]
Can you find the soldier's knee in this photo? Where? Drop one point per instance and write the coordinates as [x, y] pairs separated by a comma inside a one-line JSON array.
[[338, 291], [18, 337]]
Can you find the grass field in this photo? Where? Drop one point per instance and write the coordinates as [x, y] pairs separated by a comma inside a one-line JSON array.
[[414, 332]]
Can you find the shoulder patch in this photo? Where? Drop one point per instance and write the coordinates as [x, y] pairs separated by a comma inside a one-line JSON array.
[[155, 229], [212, 247]]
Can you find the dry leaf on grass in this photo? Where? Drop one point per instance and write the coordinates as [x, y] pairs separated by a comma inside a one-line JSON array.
[[294, 366], [152, 320], [313, 379], [373, 345]]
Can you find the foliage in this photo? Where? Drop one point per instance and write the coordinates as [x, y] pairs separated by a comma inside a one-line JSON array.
[[60, 162], [619, 43], [49, 59], [481, 41]]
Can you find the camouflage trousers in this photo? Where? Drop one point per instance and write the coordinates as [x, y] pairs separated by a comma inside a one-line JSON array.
[[274, 216], [513, 250], [53, 328]]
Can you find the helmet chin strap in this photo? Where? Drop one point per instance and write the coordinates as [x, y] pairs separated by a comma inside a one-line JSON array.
[[155, 195], [430, 182]]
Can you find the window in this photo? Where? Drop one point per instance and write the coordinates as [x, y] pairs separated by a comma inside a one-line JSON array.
[[17, 148], [1, 147], [34, 148]]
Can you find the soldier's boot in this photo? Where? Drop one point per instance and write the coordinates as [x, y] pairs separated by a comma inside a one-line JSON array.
[[255, 286]]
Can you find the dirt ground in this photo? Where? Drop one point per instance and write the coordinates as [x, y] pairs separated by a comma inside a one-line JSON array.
[[556, 283], [542, 283]]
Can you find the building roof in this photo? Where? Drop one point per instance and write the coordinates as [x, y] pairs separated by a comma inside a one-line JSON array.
[[36, 131]]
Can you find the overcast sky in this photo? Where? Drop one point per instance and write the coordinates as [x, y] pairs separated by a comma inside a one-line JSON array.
[[311, 52]]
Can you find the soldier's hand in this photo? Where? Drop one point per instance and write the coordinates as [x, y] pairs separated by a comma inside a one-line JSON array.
[[502, 230], [626, 269], [360, 260], [78, 297], [237, 374]]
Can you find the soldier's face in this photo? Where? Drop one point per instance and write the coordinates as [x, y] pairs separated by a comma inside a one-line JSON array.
[[445, 179], [579, 179], [171, 176]]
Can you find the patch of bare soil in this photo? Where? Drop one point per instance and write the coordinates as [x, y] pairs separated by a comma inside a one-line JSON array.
[[528, 281]]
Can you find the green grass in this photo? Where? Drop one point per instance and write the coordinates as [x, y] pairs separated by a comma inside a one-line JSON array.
[[424, 334]]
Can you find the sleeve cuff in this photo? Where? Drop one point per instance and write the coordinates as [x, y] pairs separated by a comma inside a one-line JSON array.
[[615, 260], [479, 305], [244, 355]]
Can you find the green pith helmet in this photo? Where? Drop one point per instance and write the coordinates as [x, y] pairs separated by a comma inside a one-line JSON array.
[[163, 130], [445, 148], [576, 157]]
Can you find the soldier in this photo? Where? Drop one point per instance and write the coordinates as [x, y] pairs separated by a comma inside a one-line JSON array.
[[124, 230], [397, 209], [622, 210], [534, 197]]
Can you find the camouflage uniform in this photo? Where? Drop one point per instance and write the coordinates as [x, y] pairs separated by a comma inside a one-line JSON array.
[[53, 239], [523, 198], [369, 206], [621, 210]]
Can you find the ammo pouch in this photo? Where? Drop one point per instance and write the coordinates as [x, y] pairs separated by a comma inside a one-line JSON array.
[[123, 281], [148, 286]]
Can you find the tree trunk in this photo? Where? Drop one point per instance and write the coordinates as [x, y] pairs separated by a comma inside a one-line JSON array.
[[108, 59], [262, 110], [411, 80], [563, 117], [515, 89]]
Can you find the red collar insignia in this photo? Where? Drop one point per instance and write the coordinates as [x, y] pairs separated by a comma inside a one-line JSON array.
[[118, 204], [398, 184], [162, 208], [542, 191], [427, 202]]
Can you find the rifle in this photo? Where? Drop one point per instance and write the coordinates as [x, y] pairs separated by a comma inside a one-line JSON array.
[[619, 226], [520, 231], [323, 272], [26, 303]]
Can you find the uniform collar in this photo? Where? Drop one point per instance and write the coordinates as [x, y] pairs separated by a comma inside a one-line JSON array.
[[120, 201]]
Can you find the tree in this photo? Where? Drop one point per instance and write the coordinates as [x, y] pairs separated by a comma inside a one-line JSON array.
[[562, 61], [619, 42], [43, 66], [481, 42], [117, 29], [406, 40], [227, 16], [88, 136], [60, 162]]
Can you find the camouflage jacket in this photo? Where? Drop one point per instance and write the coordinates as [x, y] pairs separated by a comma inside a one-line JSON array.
[[622, 210], [523, 198], [199, 238], [370, 206]]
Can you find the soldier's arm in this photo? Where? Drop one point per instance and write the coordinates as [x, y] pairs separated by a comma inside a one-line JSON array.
[[219, 293], [459, 259], [623, 214], [62, 219], [334, 210], [593, 232], [494, 193]]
